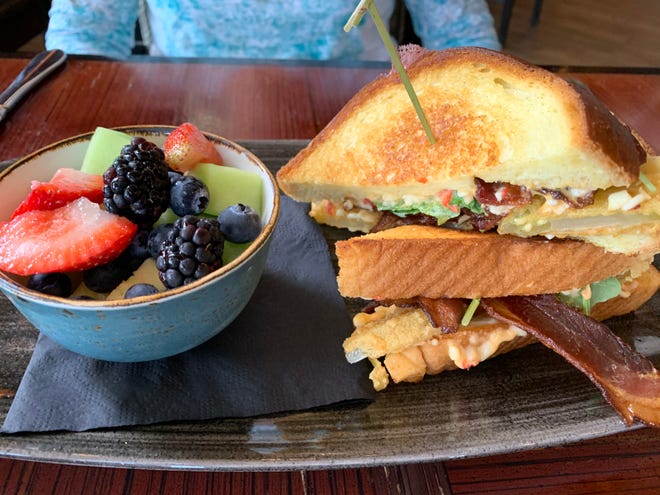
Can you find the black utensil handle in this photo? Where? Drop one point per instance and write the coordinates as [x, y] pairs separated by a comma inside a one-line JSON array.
[[34, 72]]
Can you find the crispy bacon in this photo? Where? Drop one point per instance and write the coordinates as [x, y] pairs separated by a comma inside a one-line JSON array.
[[627, 379], [501, 194], [575, 202], [469, 220], [443, 313], [389, 220]]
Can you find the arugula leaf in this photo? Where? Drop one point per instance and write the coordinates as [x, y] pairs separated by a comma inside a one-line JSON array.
[[432, 207], [600, 291]]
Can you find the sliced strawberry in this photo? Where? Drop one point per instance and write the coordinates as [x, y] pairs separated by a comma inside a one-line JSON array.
[[76, 236], [186, 146], [66, 185]]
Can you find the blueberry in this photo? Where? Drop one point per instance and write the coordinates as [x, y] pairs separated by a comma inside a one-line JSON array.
[[239, 223], [174, 176], [104, 278], [138, 250], [188, 196], [138, 290], [54, 284], [156, 237]]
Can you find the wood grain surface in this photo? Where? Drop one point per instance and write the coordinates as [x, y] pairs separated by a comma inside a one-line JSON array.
[[254, 102]]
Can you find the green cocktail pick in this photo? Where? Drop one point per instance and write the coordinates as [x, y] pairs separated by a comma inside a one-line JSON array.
[[370, 6]]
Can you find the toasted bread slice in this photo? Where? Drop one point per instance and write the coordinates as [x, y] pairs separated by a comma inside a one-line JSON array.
[[493, 117], [416, 260]]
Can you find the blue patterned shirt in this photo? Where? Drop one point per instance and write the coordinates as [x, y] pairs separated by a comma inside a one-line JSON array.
[[257, 29]]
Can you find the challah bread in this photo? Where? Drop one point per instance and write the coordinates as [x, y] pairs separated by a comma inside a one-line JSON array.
[[493, 117], [417, 260]]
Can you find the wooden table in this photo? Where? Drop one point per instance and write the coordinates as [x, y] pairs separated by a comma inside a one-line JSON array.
[[287, 101]]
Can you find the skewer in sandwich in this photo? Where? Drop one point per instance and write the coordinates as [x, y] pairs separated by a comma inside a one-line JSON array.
[[532, 217]]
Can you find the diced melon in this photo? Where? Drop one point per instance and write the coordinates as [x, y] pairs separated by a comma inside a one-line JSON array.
[[104, 146], [232, 251], [168, 216], [228, 186], [147, 273]]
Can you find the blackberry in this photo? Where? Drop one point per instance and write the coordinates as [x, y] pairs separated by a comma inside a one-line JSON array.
[[192, 249], [137, 185]]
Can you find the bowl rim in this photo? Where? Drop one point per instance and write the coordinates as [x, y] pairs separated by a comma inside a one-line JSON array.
[[7, 283]]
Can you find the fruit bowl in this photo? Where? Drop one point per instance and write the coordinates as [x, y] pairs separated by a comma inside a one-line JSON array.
[[150, 326]]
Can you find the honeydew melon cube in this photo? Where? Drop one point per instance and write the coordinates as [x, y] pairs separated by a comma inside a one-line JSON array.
[[228, 186], [168, 216], [104, 146], [147, 273], [232, 251]]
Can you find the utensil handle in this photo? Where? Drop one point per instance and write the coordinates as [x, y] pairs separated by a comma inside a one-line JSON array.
[[34, 72]]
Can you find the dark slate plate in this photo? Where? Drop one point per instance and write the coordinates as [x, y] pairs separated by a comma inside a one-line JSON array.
[[528, 398]]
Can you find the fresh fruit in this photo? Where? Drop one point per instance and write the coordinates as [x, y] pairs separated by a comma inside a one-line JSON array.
[[188, 196], [168, 216], [232, 251], [54, 284], [156, 237], [137, 185], [104, 146], [192, 249], [105, 277], [76, 236], [138, 290], [66, 185], [138, 250], [186, 146], [239, 223], [228, 186], [146, 274]]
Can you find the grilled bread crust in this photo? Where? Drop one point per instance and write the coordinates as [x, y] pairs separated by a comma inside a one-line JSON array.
[[416, 260], [493, 117]]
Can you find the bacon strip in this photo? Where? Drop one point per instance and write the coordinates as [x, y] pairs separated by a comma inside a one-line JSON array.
[[443, 313], [501, 193], [389, 220], [627, 379]]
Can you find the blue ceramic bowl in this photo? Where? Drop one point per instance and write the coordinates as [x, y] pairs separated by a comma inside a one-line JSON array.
[[148, 327]]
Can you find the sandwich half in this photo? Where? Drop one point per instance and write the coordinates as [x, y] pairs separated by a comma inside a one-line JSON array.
[[533, 216], [421, 280], [517, 149]]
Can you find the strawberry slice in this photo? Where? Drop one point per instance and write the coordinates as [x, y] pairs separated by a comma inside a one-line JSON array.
[[186, 146], [76, 236], [67, 184]]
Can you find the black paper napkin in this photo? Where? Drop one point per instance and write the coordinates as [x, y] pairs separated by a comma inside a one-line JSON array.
[[283, 353]]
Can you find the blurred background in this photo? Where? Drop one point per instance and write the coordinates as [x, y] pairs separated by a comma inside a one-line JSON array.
[[597, 33]]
